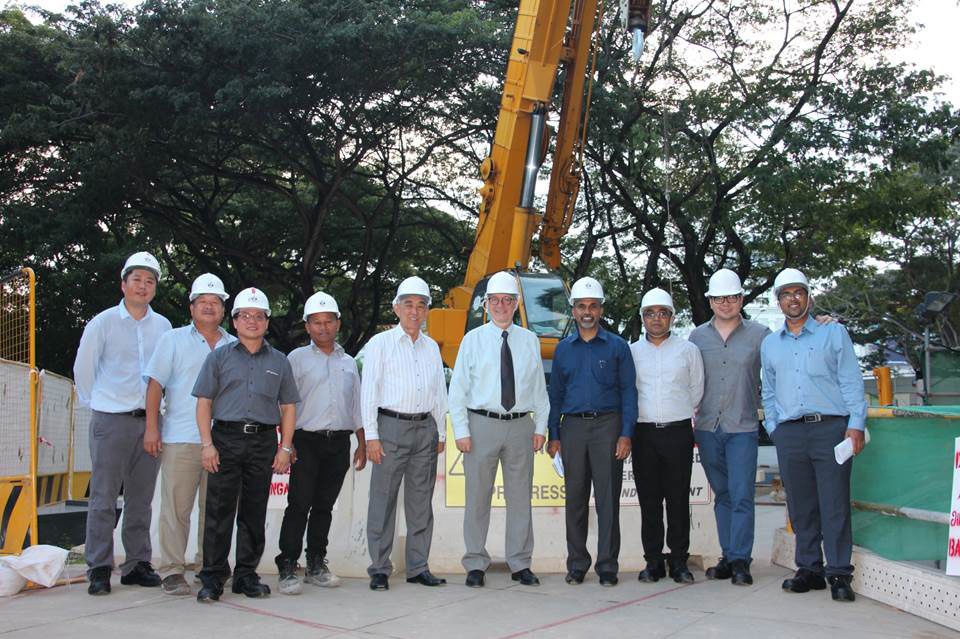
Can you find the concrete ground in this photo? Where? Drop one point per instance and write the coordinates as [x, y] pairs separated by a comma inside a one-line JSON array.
[[500, 610]]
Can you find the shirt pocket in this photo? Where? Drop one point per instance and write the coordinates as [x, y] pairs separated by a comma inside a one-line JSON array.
[[604, 371], [268, 384], [817, 365]]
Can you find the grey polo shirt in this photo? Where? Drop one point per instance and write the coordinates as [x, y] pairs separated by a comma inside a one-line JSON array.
[[247, 387], [731, 389]]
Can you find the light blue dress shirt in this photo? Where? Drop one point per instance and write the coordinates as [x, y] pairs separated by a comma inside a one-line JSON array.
[[176, 361], [112, 357], [813, 372]]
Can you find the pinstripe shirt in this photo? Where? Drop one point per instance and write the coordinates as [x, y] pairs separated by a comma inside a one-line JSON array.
[[402, 375]]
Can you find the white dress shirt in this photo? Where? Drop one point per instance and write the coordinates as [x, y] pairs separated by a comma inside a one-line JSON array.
[[329, 388], [476, 377], [112, 357], [669, 379], [176, 361], [403, 376]]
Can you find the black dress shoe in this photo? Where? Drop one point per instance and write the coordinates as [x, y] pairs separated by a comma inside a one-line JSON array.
[[426, 578], [804, 581], [209, 593], [99, 581], [575, 577], [840, 588], [475, 579], [142, 574], [525, 577], [679, 571], [609, 579], [741, 573], [379, 582], [721, 571], [250, 586], [655, 571]]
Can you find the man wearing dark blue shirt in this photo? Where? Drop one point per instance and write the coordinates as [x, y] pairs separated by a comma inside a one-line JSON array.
[[593, 410]]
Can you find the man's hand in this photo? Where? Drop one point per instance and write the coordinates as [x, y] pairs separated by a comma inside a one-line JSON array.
[[374, 451], [151, 441], [825, 319], [553, 447], [464, 444], [623, 448], [440, 447], [856, 437], [210, 459], [281, 461], [538, 441], [360, 458]]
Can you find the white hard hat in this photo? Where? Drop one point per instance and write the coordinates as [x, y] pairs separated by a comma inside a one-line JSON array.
[[208, 284], [789, 276], [586, 288], [724, 282], [503, 283], [656, 297], [413, 286], [141, 260], [251, 298], [320, 302]]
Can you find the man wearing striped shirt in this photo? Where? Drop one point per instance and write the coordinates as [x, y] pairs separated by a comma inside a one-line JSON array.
[[403, 405]]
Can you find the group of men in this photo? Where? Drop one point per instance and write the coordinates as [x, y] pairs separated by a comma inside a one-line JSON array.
[[225, 397]]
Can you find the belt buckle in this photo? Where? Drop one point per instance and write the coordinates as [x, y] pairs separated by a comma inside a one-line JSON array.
[[589, 416], [659, 425], [251, 429], [815, 417]]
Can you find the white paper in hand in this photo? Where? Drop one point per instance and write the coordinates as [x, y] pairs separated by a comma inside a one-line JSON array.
[[844, 450], [558, 464]]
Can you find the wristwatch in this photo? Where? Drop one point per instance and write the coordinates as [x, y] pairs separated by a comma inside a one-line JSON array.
[[289, 451]]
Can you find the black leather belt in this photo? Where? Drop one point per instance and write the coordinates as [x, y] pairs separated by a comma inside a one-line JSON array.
[[327, 433], [247, 428], [133, 413], [812, 418], [503, 416], [676, 424], [407, 417], [594, 415]]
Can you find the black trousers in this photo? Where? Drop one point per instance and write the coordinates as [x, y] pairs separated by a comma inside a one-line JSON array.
[[587, 447], [662, 465], [240, 490], [315, 482]]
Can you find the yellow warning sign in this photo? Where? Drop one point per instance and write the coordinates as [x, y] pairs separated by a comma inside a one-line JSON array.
[[547, 490]]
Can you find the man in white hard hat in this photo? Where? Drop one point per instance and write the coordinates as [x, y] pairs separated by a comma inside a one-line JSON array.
[[170, 375], [727, 422], [108, 372], [499, 408], [812, 400], [669, 388], [329, 411], [243, 392], [593, 413], [403, 403]]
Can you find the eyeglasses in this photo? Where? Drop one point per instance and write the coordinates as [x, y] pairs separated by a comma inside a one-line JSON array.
[[251, 317], [798, 294], [728, 299], [657, 314], [506, 300]]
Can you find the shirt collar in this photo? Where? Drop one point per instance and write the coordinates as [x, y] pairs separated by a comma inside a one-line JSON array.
[[647, 341], [808, 327], [494, 328], [193, 331], [601, 335], [337, 349], [243, 349], [125, 314], [399, 334]]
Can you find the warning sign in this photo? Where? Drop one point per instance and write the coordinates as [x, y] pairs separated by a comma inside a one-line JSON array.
[[953, 542], [548, 489]]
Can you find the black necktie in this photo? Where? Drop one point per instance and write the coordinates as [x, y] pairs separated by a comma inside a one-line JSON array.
[[508, 393]]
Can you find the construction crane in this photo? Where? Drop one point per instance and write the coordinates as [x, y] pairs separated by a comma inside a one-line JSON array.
[[549, 35]]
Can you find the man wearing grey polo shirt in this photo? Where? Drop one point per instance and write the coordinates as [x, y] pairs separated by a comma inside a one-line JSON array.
[[727, 422], [170, 375], [245, 390], [329, 386]]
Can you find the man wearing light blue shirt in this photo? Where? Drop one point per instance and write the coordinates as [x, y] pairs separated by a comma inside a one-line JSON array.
[[111, 359], [812, 399], [499, 409], [171, 374]]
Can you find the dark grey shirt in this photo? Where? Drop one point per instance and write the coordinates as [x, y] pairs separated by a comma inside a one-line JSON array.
[[731, 388], [247, 387]]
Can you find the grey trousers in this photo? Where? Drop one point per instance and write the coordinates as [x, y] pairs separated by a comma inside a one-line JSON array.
[[587, 447], [410, 456], [818, 493], [508, 444], [116, 450]]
